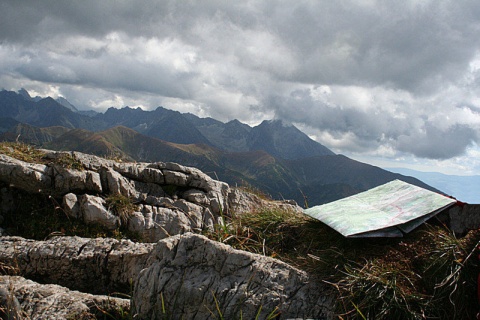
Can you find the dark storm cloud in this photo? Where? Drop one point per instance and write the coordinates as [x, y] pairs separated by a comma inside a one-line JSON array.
[[415, 133], [434, 143], [410, 45], [392, 69]]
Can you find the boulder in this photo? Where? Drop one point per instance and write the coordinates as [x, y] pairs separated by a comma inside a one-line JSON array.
[[31, 300], [93, 210], [181, 277], [30, 177], [71, 206], [69, 180], [191, 277], [89, 265]]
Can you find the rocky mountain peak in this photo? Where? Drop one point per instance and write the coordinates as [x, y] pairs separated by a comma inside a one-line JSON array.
[[285, 141]]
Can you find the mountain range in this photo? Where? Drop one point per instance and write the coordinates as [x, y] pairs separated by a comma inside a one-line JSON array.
[[274, 157]]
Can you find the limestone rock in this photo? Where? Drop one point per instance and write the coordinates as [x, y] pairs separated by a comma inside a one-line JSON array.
[[189, 274], [118, 184], [89, 265], [23, 175], [93, 210], [71, 205], [241, 201], [153, 222], [69, 180], [49, 301], [88, 161], [9, 306]]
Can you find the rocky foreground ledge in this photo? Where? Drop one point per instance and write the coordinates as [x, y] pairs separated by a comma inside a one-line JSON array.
[[180, 277], [167, 198], [176, 274]]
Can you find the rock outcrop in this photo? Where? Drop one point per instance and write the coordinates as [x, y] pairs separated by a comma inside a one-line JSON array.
[[27, 299], [99, 265], [176, 273], [180, 277], [167, 198], [463, 218], [192, 277]]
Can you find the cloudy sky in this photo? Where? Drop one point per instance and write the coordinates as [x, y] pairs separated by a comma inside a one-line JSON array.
[[392, 83]]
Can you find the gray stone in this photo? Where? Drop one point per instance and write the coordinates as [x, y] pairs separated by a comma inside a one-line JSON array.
[[89, 265], [32, 300], [189, 275], [182, 199], [88, 161], [196, 196], [69, 180], [93, 210], [23, 175], [9, 306], [175, 178], [71, 206], [118, 184]]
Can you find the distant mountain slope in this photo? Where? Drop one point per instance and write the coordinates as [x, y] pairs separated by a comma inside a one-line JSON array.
[[21, 132], [284, 141], [7, 123], [231, 136], [323, 178], [275, 137], [280, 140], [464, 188], [64, 102]]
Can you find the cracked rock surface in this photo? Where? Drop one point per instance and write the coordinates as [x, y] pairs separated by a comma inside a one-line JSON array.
[[90, 265], [182, 277], [49, 301], [187, 275]]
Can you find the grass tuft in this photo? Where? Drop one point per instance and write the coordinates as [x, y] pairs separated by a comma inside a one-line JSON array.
[[69, 161], [29, 153], [121, 206]]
